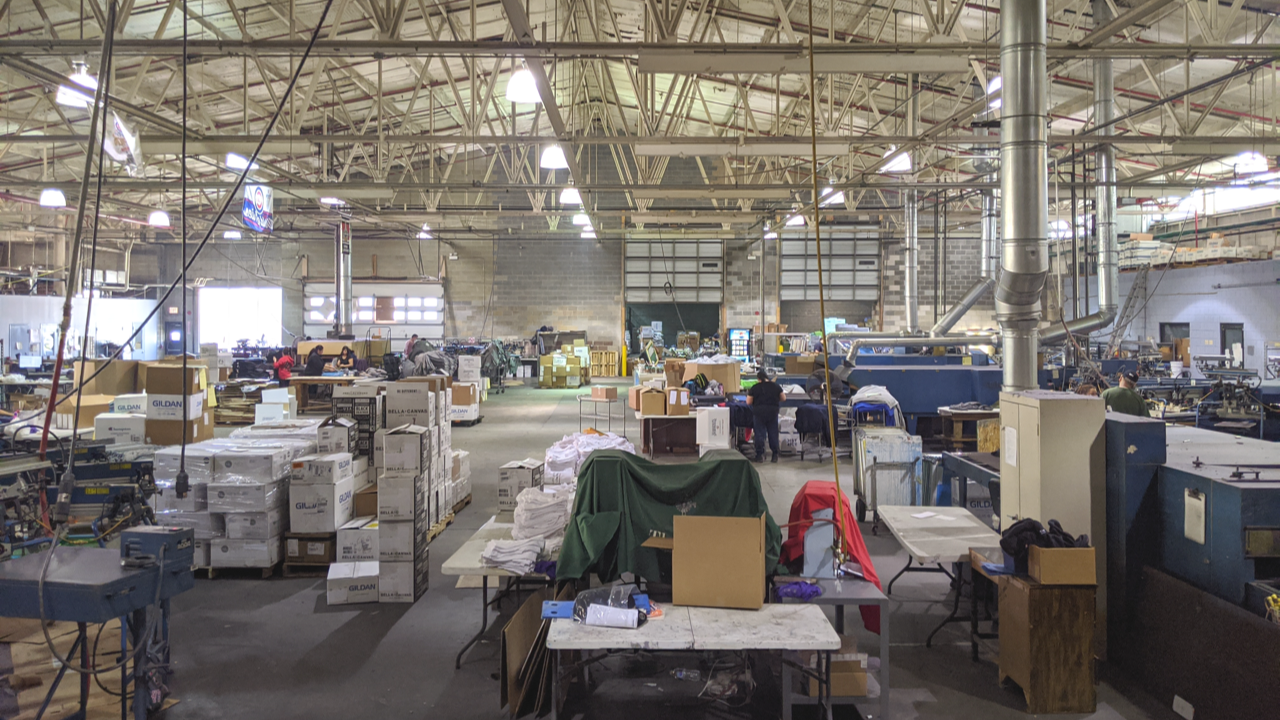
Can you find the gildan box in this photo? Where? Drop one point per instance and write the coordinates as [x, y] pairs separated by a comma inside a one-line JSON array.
[[401, 497], [255, 525], [323, 469], [406, 450], [312, 548], [321, 508], [410, 403], [358, 540], [716, 561], [469, 368], [170, 407], [131, 403], [403, 582], [263, 462], [90, 407], [401, 540], [366, 501], [169, 432], [677, 401], [1062, 566], [246, 497], [516, 476], [653, 402], [228, 553], [120, 428], [337, 434], [352, 583]]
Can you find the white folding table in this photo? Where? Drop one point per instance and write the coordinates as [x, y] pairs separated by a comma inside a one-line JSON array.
[[693, 629], [467, 561]]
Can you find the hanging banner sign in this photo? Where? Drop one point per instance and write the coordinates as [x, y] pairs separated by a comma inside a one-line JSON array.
[[257, 211]]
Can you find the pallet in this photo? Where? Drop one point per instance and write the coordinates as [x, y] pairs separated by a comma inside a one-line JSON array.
[[250, 573], [457, 508], [439, 527], [305, 570], [467, 423]]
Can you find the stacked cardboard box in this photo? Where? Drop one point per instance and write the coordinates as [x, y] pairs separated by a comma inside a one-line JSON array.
[[516, 476], [364, 405], [168, 388], [403, 513], [460, 475], [251, 487], [570, 367], [464, 402], [469, 369], [322, 492]]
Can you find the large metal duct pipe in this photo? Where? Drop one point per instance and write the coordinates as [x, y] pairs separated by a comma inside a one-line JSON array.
[[1024, 187], [342, 279], [1104, 200], [988, 246], [911, 225]]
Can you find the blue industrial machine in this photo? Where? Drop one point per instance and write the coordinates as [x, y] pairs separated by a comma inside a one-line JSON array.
[[89, 585]]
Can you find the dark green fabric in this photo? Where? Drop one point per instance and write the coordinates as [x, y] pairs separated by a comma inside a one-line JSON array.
[[1124, 400], [623, 500]]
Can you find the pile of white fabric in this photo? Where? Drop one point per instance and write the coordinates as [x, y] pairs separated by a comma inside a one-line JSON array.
[[514, 556], [565, 458], [543, 512]]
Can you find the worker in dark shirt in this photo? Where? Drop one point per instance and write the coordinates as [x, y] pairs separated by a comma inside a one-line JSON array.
[[1125, 399], [315, 363], [765, 398]]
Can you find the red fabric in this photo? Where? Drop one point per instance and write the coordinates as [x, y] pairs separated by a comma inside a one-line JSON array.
[[283, 366], [821, 495]]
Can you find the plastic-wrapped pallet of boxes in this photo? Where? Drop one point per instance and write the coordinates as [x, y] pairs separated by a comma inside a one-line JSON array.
[[403, 521], [251, 487], [193, 510]]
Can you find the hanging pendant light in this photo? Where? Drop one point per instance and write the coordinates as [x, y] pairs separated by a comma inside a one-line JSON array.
[[158, 219], [52, 198], [553, 159], [522, 88], [570, 196]]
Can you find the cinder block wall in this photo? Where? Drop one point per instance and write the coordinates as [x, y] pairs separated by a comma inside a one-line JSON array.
[[963, 262]]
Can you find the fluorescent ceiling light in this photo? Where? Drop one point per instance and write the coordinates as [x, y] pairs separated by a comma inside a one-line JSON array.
[[795, 221], [158, 219], [239, 162], [994, 85], [588, 235], [587, 229], [52, 198], [522, 88], [771, 235], [553, 159], [581, 219], [72, 96], [832, 199], [1247, 163], [332, 201], [231, 235], [424, 235], [901, 163], [570, 196]]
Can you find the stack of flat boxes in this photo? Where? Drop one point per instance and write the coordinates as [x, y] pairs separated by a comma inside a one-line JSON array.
[[193, 510], [251, 488], [322, 492], [364, 404], [403, 520], [460, 475]]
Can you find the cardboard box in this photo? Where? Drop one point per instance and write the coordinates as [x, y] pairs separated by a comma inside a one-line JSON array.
[[256, 525], [401, 497], [366, 501], [1062, 566], [313, 548], [653, 402], [352, 583], [464, 394], [118, 377], [607, 392], [516, 476], [91, 406], [674, 371], [401, 540], [403, 582], [367, 408], [199, 462], [713, 427], [466, 413], [169, 432], [727, 374], [337, 434], [167, 379], [204, 524], [410, 403], [120, 428], [228, 553], [847, 680], [171, 407], [633, 396], [716, 561], [469, 368], [201, 557], [246, 497], [197, 499], [131, 403], [321, 508], [358, 540], [258, 463], [677, 401], [406, 450], [323, 469], [803, 364], [461, 464]]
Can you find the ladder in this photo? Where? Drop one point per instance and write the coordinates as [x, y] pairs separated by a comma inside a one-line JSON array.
[[1129, 311]]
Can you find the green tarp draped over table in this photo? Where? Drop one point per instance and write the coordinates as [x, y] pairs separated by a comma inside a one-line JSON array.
[[623, 500]]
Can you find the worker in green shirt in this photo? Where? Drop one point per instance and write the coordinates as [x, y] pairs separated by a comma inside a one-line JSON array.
[[1125, 399]]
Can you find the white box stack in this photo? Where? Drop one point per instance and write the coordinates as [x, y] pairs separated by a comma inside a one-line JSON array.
[[469, 368], [251, 486], [404, 502], [516, 476], [322, 492], [364, 404]]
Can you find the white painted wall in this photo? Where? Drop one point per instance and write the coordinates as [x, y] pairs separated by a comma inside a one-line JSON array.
[[113, 320]]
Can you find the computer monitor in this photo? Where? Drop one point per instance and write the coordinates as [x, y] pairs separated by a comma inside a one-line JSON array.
[[30, 362]]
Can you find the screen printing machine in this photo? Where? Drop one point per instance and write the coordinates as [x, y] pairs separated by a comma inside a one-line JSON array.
[[93, 584]]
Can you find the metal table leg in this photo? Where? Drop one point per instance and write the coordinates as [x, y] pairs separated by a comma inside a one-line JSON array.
[[955, 608], [883, 675], [81, 639], [484, 620]]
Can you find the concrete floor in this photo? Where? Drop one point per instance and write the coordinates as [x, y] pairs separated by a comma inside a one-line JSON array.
[[255, 648]]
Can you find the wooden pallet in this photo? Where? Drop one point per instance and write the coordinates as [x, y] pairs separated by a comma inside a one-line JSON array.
[[249, 573], [306, 570], [467, 423], [457, 508], [439, 527]]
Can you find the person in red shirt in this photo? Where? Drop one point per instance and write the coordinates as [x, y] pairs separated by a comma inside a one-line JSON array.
[[284, 368]]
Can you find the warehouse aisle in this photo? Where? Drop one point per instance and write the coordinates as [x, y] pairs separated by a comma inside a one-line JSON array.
[[251, 648]]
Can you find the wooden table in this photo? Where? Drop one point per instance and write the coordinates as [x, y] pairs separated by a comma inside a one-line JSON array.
[[670, 433], [957, 439], [302, 381]]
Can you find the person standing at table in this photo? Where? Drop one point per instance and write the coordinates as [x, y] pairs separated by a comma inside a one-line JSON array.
[[283, 367], [315, 363], [408, 347], [1125, 399], [765, 398]]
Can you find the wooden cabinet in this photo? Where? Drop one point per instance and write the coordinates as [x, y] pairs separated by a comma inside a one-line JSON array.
[[1046, 644]]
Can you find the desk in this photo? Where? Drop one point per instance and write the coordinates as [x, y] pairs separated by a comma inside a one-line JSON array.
[[693, 629], [673, 434], [467, 561], [946, 537], [302, 381], [851, 591]]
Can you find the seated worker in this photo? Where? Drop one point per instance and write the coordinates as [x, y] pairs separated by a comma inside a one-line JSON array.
[[1125, 399], [346, 359]]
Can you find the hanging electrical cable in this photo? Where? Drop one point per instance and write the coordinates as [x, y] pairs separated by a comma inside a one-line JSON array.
[[181, 483], [838, 510]]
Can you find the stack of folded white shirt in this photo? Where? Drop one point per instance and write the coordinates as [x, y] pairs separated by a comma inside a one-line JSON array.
[[514, 556], [565, 458], [543, 512]]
